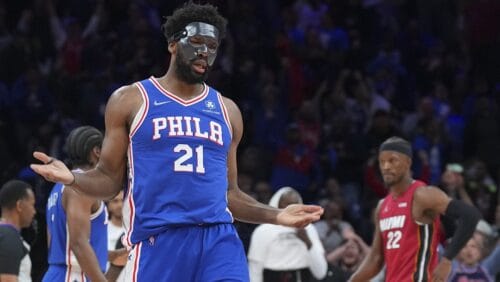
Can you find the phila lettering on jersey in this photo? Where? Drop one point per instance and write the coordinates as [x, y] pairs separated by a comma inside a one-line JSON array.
[[177, 162], [410, 248]]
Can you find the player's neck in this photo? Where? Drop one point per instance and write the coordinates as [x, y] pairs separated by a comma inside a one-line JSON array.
[[179, 88], [399, 188], [11, 219]]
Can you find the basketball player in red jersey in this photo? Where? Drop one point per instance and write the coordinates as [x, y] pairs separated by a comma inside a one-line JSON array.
[[407, 223]]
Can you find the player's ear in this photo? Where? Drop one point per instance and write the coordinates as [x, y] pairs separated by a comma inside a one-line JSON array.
[[97, 151], [19, 205], [172, 47], [95, 155]]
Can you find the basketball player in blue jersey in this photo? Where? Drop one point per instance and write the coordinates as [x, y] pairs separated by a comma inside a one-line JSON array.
[[77, 224], [176, 138]]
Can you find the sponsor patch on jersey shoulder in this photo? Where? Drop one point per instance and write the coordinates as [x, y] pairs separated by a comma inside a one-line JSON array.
[[210, 107]]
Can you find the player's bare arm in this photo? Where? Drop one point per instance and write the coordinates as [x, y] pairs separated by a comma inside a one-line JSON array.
[[106, 179], [242, 206], [246, 208], [113, 272], [48, 237], [374, 261], [118, 260], [429, 202], [79, 232], [118, 257]]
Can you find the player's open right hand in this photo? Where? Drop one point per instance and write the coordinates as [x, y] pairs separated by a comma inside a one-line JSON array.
[[52, 169]]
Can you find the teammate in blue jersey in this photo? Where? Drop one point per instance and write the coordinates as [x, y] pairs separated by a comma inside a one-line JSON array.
[[77, 224], [176, 138]]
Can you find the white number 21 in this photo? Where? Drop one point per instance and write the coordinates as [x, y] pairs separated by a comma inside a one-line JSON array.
[[185, 163]]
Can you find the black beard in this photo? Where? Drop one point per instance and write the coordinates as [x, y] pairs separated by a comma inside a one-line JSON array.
[[186, 73], [395, 181]]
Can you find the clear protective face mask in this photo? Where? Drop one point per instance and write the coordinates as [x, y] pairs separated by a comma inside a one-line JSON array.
[[197, 38]]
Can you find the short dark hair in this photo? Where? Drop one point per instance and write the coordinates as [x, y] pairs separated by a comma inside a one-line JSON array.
[[80, 142], [191, 12], [11, 192]]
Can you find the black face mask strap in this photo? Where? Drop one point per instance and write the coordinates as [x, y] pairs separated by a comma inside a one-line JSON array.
[[178, 35], [400, 147]]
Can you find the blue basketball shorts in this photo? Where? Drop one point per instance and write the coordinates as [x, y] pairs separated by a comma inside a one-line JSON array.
[[189, 254], [63, 273]]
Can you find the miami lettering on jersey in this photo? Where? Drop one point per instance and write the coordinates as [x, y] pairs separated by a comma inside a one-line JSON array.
[[178, 126], [393, 222]]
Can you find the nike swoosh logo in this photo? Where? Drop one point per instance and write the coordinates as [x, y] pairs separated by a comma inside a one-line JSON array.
[[156, 103]]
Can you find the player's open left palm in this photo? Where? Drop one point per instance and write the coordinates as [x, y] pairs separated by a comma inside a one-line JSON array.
[[298, 215], [52, 169]]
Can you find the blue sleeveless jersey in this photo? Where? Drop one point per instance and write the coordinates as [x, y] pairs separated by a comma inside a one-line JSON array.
[[59, 250], [177, 162]]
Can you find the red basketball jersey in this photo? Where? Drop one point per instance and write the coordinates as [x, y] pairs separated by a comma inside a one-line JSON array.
[[410, 248]]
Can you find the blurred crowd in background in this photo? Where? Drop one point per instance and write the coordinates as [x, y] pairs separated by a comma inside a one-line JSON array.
[[320, 83]]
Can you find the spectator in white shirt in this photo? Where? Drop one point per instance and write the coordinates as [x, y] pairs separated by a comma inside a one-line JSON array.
[[276, 252]]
